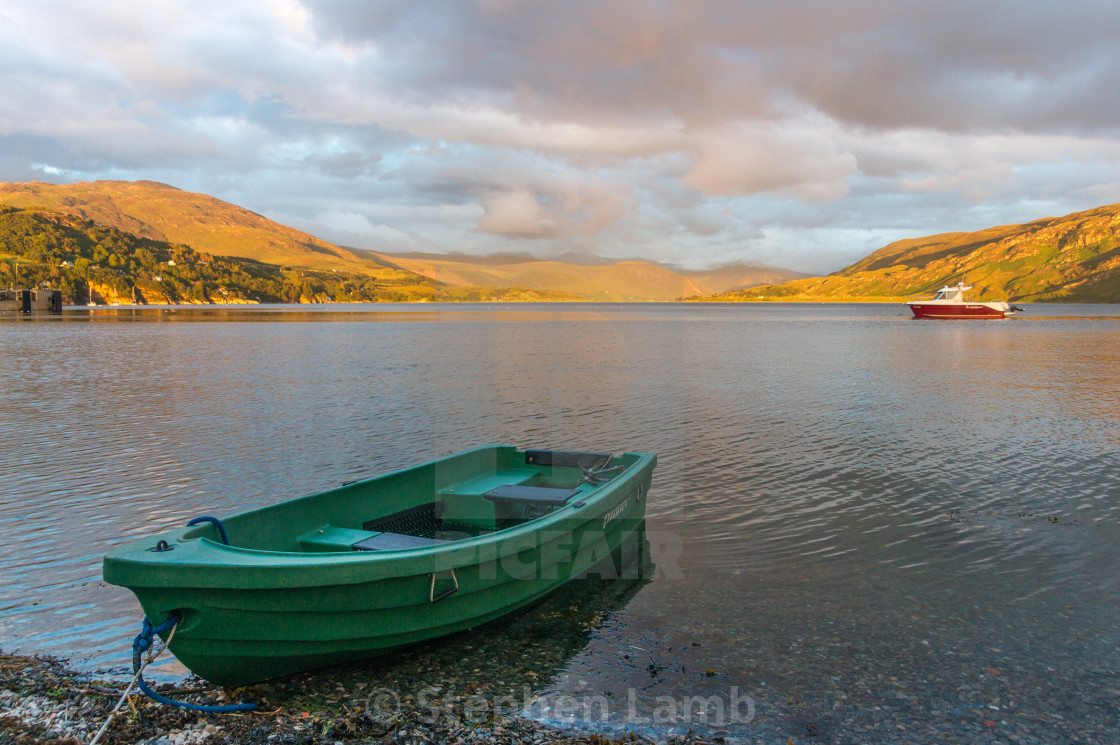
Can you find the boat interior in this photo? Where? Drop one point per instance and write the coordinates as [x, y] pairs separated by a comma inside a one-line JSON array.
[[462, 496]]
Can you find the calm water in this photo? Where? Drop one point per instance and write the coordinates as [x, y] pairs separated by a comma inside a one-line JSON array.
[[856, 517]]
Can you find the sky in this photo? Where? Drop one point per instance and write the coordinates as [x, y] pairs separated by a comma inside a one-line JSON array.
[[801, 134]]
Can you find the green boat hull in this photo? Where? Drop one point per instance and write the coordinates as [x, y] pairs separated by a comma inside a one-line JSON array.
[[455, 543]]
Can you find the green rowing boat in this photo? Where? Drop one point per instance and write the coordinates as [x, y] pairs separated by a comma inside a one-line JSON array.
[[379, 564]]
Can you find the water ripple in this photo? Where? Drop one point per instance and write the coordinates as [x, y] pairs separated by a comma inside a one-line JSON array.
[[838, 458]]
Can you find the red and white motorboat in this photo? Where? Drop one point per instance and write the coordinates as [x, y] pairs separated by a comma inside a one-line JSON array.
[[950, 303]]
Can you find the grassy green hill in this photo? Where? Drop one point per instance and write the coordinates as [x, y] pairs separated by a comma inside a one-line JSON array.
[[91, 261], [148, 209], [1075, 258]]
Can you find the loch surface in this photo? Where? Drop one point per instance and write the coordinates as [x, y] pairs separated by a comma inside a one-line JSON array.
[[865, 528]]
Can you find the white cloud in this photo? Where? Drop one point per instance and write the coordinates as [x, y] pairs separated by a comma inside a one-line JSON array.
[[799, 161], [345, 222], [515, 213]]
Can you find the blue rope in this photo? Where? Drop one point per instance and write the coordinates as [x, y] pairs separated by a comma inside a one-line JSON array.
[[143, 642], [217, 524]]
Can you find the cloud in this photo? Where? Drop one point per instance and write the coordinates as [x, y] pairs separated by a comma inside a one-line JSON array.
[[515, 213], [355, 230], [877, 63], [682, 130], [345, 222], [803, 163], [345, 164]]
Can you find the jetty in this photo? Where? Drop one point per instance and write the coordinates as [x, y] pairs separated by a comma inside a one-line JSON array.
[[41, 300]]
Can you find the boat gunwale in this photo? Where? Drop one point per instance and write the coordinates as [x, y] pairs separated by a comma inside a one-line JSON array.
[[299, 568]]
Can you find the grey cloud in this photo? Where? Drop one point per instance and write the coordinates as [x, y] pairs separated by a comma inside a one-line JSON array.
[[702, 222], [950, 65], [349, 164]]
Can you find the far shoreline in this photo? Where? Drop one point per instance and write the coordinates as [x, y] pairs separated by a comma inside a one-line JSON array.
[[799, 299]]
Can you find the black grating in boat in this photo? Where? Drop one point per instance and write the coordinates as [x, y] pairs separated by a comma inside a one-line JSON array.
[[423, 521], [426, 521]]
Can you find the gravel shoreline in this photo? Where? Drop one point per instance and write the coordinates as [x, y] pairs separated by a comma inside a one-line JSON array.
[[43, 701]]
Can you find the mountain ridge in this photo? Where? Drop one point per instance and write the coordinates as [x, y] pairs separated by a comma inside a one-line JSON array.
[[619, 282], [157, 211], [1073, 258], [94, 263], [595, 277]]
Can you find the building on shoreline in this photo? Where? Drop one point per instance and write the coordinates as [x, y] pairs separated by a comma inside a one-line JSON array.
[[40, 300]]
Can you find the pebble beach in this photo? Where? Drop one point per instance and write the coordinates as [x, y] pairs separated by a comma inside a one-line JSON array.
[[42, 701]]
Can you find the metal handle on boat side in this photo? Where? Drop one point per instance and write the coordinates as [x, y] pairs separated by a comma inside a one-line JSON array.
[[433, 598]]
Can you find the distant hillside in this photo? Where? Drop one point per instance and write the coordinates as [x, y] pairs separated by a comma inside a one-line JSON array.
[[94, 262], [1075, 258], [621, 281], [148, 209], [740, 277], [588, 275], [158, 212]]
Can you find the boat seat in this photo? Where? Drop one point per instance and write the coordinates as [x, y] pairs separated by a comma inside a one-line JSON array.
[[395, 541], [545, 496], [481, 484], [463, 501], [561, 459], [332, 538]]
